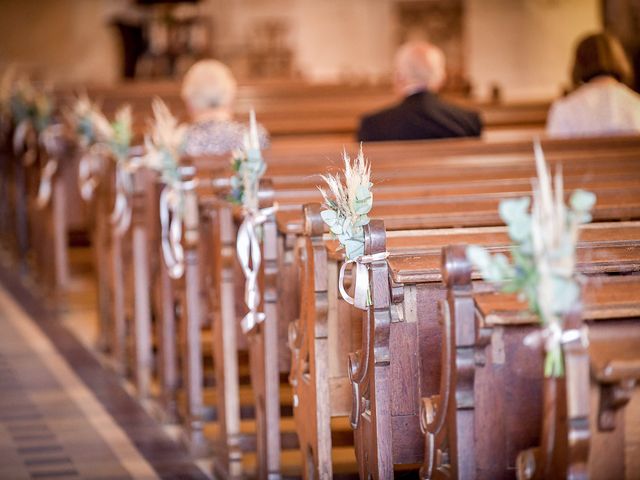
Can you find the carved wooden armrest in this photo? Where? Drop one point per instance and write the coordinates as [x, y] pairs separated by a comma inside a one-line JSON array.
[[376, 341], [618, 379]]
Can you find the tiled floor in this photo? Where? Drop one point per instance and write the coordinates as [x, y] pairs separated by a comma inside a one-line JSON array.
[[51, 426], [62, 415]]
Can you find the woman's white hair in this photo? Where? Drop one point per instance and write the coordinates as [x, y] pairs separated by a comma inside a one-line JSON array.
[[208, 84], [420, 63]]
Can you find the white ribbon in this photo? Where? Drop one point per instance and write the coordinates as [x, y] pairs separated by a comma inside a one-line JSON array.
[[360, 297], [45, 186], [20, 135], [89, 168], [250, 257], [121, 214], [22, 144], [552, 336], [48, 139], [171, 212]]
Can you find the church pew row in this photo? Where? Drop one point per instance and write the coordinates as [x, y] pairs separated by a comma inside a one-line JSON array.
[[186, 302], [311, 109], [231, 255], [410, 338], [557, 429]]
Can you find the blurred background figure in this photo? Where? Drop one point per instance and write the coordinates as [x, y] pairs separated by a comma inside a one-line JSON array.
[[209, 90], [602, 103], [419, 74]]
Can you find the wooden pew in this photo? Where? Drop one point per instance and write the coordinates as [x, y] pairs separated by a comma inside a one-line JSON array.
[[416, 286], [320, 307], [300, 109], [232, 240], [483, 355], [288, 280]]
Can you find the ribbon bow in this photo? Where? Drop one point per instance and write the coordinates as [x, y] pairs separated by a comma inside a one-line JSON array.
[[171, 213], [250, 257], [121, 214], [24, 141], [89, 167], [553, 336], [360, 297], [48, 140]]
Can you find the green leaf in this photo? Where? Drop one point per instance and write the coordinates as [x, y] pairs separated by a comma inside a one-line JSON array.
[[513, 209], [346, 227], [520, 228], [582, 200], [363, 194], [353, 248], [565, 294], [361, 221], [362, 208], [478, 256], [329, 216]]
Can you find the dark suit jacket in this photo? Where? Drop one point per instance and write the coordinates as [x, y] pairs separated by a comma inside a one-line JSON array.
[[420, 116]]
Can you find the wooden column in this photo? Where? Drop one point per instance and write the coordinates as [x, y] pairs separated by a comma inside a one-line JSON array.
[[191, 320], [227, 453], [263, 350], [142, 287]]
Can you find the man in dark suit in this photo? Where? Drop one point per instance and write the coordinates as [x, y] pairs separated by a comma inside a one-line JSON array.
[[419, 74]]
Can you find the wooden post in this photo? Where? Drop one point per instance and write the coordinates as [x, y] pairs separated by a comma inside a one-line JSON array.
[[309, 353], [142, 298], [60, 239], [227, 454], [263, 351], [192, 319]]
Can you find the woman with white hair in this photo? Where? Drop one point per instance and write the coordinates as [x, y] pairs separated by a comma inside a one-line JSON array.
[[209, 90], [419, 74]]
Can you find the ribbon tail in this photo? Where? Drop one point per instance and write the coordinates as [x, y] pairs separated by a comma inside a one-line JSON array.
[[343, 292], [86, 182], [45, 187], [20, 136], [361, 289], [249, 256], [171, 235]]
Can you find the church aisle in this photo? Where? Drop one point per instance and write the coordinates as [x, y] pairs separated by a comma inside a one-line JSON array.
[[62, 415]]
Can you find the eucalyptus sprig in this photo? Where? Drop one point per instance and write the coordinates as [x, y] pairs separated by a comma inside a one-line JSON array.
[[165, 145], [122, 129], [542, 270], [28, 103], [86, 120], [348, 203], [248, 167], [115, 135]]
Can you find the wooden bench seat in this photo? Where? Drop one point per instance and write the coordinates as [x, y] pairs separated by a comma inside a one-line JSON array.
[[325, 317], [491, 383]]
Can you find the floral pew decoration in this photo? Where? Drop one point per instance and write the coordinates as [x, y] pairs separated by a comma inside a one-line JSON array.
[[248, 166], [91, 130], [116, 136], [347, 205], [31, 110], [544, 252], [164, 148]]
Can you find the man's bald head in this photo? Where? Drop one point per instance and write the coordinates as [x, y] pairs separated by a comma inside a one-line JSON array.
[[419, 66]]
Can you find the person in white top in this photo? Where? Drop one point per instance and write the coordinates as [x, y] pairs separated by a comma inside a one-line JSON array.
[[209, 90], [601, 104]]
